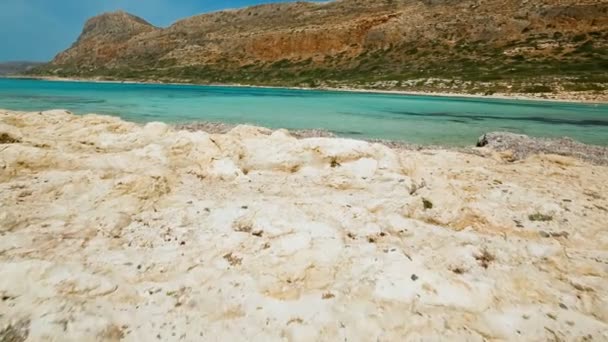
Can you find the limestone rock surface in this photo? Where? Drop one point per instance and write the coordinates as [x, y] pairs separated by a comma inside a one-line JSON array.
[[111, 230]]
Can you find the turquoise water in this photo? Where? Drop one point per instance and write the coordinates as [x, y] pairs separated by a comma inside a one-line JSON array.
[[415, 119]]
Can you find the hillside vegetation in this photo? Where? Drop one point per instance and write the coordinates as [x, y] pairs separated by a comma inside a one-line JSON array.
[[460, 45]]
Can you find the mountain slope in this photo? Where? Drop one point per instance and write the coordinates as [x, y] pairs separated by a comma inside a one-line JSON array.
[[387, 43], [103, 39]]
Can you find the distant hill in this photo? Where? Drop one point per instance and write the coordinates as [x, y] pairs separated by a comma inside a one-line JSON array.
[[490, 45], [10, 68]]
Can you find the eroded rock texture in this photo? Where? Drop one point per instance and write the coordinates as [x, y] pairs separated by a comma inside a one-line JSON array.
[[111, 230]]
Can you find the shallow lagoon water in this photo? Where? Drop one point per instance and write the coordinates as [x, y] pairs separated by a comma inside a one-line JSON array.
[[416, 119]]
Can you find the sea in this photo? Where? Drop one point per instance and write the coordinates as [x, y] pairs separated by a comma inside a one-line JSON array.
[[425, 120]]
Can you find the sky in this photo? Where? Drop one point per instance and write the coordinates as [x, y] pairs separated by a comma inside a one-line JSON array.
[[36, 30]]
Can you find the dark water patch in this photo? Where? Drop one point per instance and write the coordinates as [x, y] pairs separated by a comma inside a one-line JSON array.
[[52, 99], [513, 102], [511, 129], [348, 132], [124, 105], [480, 117], [176, 91]]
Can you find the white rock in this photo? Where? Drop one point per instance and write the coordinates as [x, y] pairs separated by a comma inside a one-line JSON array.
[[112, 230]]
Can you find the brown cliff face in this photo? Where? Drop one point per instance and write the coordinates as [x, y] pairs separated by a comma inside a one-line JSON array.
[[351, 39]]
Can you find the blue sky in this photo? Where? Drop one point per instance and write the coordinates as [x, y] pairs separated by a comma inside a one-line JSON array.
[[36, 30]]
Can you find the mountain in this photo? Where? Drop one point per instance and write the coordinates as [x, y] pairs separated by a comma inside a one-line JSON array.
[[10, 68], [492, 45]]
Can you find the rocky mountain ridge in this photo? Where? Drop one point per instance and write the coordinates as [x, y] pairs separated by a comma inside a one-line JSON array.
[[506, 43]]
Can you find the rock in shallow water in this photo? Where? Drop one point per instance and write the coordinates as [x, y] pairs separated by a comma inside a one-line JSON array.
[[523, 146]]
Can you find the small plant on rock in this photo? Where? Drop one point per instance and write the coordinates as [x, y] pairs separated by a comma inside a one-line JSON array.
[[540, 217]]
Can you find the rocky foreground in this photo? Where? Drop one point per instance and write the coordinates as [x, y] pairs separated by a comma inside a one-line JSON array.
[[111, 230]]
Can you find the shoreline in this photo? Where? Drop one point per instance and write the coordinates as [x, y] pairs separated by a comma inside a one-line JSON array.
[[516, 147], [497, 96]]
